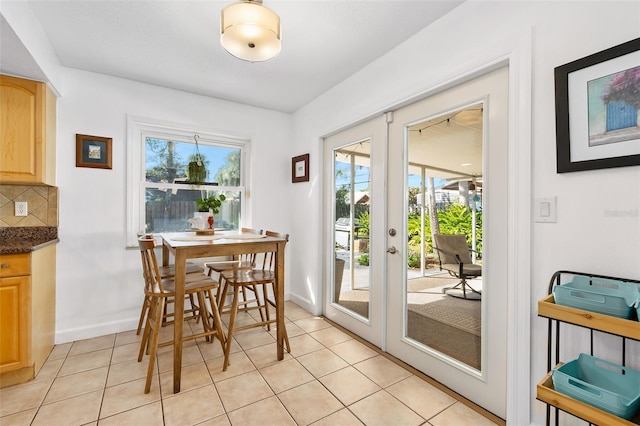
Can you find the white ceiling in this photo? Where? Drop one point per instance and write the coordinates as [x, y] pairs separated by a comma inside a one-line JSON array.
[[175, 44]]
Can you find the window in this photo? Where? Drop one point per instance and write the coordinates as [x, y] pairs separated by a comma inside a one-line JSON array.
[[161, 196]]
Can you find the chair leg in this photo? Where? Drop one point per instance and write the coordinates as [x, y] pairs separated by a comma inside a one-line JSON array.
[[217, 322], [143, 314], [232, 320], [154, 342]]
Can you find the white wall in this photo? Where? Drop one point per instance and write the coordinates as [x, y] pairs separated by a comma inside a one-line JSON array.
[[99, 287], [586, 237]]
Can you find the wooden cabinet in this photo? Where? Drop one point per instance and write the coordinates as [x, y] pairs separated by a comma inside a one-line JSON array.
[[27, 313], [545, 392], [27, 132]]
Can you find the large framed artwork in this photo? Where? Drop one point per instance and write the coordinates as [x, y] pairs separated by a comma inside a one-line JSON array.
[[598, 110]]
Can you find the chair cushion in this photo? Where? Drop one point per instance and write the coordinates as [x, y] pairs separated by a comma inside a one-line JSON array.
[[469, 270]]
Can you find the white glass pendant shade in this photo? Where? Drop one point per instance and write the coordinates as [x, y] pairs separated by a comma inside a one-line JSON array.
[[250, 31]]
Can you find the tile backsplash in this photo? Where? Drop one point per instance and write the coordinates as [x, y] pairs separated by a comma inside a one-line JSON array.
[[42, 205]]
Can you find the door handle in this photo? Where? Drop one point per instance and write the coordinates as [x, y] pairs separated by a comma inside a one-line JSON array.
[[392, 250]]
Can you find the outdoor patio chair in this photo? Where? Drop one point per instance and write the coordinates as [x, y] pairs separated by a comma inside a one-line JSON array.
[[455, 257]]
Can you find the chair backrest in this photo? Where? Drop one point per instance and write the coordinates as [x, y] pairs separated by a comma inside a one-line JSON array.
[[451, 245], [251, 231], [150, 270], [270, 257]]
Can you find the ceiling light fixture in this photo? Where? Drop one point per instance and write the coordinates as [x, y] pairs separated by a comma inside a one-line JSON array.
[[250, 31]]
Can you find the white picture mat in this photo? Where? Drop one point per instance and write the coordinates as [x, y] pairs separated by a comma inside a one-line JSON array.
[[578, 111]]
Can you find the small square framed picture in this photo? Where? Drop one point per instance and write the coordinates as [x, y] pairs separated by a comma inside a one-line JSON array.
[[93, 151], [300, 168]]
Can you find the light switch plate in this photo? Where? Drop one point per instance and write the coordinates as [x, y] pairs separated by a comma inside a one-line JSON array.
[[545, 210]]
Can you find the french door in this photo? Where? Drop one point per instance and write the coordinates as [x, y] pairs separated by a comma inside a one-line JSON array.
[[354, 216], [461, 342], [436, 166]]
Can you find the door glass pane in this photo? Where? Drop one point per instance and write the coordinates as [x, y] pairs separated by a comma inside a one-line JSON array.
[[351, 233], [444, 229]]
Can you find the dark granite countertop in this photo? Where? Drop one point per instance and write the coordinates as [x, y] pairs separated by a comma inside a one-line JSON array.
[[27, 239]]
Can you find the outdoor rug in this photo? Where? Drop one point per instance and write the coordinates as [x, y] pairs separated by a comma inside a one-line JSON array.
[[458, 313]]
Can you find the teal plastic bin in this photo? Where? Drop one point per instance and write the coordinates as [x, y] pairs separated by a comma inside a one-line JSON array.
[[605, 296], [600, 383]]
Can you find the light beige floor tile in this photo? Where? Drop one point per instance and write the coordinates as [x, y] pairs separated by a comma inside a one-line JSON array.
[[243, 390], [22, 397], [422, 397], [353, 351], [147, 415], [192, 407], [239, 363], [382, 371], [304, 344], [460, 414], [285, 375], [129, 395], [330, 336], [125, 352], [193, 376], [214, 350], [23, 418], [383, 409], [310, 324], [91, 345], [60, 351], [87, 361], [322, 362], [294, 312], [49, 370], [266, 355], [292, 330], [126, 371], [127, 337], [190, 355], [309, 402], [77, 384], [349, 385], [343, 417], [78, 410], [222, 420], [254, 339], [265, 412]]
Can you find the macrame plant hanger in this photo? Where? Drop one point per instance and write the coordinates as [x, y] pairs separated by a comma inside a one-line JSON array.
[[197, 168]]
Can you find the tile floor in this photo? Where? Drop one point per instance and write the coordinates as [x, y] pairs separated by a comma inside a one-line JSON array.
[[330, 378]]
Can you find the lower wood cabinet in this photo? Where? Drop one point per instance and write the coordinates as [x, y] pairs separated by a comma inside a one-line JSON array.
[[27, 313]]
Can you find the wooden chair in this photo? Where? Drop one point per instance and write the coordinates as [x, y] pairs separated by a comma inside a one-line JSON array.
[[241, 262], [168, 272], [159, 290], [264, 276]]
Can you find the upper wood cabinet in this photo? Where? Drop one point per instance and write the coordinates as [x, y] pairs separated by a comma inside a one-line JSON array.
[[27, 131]]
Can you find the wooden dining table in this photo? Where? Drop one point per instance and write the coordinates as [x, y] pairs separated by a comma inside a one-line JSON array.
[[188, 245]]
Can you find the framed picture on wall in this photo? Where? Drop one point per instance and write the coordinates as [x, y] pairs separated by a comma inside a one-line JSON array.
[[598, 110], [93, 151], [300, 168]]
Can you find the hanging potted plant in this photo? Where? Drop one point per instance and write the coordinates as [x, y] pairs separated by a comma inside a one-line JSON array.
[[196, 169], [210, 206]]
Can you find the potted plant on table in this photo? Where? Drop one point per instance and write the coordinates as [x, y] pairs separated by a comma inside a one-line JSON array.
[[211, 205]]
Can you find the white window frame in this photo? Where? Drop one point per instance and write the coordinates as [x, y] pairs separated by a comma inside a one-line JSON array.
[[138, 129]]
